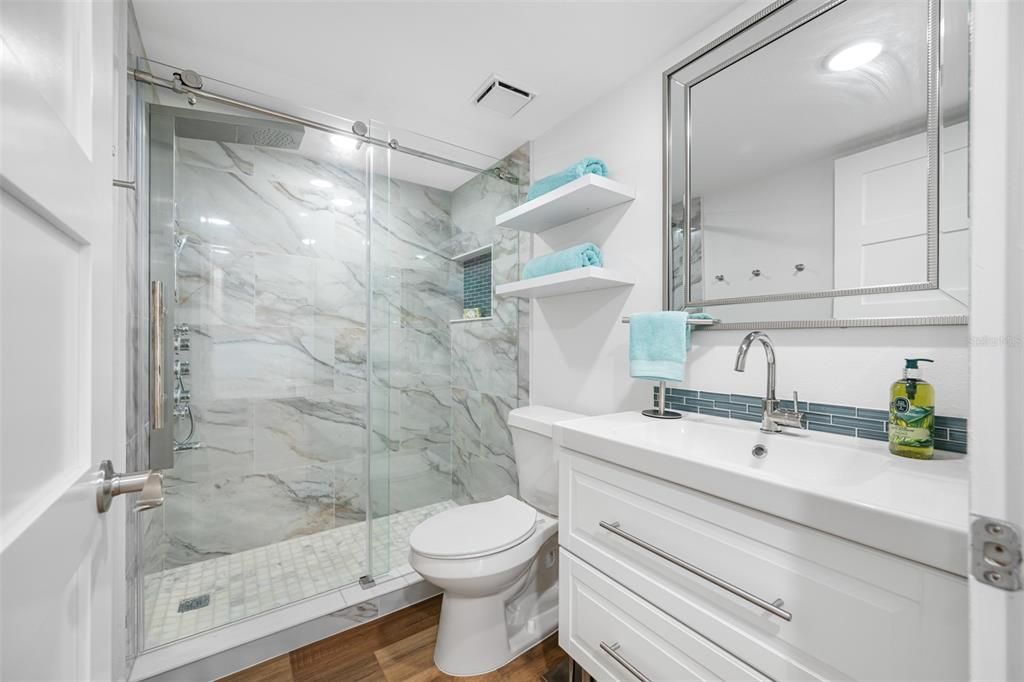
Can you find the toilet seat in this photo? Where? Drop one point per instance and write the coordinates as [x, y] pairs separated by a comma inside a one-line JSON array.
[[475, 530]]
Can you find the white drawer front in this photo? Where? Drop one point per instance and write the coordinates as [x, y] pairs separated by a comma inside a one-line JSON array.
[[594, 611], [857, 613]]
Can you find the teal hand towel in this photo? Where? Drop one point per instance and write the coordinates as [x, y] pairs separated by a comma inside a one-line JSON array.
[[579, 256], [657, 345], [577, 170]]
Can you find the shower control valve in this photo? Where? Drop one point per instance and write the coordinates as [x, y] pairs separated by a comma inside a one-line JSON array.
[[182, 396], [182, 338], [182, 368], [181, 410]]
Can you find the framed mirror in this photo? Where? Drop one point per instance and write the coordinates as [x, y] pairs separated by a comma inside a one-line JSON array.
[[816, 167]]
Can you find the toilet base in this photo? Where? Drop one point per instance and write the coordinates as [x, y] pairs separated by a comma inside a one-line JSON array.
[[478, 635], [472, 637]]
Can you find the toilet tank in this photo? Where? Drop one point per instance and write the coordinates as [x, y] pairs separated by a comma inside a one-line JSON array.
[[535, 454]]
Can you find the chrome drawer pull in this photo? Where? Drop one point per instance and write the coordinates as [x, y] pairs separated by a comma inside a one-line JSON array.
[[613, 651], [771, 607]]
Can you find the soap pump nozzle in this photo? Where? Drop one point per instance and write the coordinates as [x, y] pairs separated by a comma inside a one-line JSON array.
[[911, 370]]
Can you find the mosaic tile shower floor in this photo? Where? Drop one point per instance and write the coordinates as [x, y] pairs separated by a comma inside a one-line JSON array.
[[258, 580]]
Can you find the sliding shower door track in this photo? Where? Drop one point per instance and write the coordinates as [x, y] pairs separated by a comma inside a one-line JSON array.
[[181, 87]]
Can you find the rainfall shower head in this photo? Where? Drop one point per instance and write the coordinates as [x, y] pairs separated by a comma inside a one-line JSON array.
[[270, 137], [239, 130]]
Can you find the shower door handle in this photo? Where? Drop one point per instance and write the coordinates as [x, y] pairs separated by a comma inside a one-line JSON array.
[[157, 379], [150, 485]]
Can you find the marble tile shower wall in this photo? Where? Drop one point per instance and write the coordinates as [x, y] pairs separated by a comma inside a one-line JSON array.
[[450, 386], [415, 294], [272, 278], [490, 366]]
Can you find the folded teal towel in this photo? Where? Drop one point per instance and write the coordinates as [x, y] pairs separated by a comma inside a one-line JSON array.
[[577, 170], [579, 256], [658, 344]]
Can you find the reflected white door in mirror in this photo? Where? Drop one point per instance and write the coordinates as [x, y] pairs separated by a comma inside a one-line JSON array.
[[713, 551]]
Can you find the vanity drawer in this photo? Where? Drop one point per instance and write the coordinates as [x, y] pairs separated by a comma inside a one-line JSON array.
[[856, 613], [608, 630]]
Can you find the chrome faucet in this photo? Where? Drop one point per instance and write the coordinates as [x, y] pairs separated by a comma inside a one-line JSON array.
[[772, 417]]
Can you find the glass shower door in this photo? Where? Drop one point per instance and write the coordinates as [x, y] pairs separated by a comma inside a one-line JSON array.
[[260, 233], [384, 319], [446, 381], [326, 392]]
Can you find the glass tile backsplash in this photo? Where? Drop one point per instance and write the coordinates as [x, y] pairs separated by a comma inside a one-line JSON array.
[[844, 420]]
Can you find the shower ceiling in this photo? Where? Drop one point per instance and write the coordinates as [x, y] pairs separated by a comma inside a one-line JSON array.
[[411, 64], [206, 120]]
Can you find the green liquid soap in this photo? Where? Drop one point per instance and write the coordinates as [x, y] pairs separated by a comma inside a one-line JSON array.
[[912, 414]]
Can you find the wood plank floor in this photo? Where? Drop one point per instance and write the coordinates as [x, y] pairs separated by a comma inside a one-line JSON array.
[[396, 648]]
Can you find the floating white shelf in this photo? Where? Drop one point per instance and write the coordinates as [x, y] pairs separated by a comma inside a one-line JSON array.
[[583, 196], [569, 282]]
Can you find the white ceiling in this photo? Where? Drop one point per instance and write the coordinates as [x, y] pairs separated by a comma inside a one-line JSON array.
[[781, 105], [417, 65]]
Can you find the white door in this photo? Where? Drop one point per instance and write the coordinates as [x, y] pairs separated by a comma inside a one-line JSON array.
[[61, 562], [996, 440], [880, 227]]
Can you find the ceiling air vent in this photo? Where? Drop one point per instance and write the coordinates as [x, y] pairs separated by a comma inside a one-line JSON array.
[[501, 96]]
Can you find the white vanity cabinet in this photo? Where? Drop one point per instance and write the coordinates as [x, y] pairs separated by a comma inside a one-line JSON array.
[[682, 585]]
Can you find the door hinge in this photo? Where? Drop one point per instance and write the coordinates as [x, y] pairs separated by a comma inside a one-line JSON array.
[[995, 553]]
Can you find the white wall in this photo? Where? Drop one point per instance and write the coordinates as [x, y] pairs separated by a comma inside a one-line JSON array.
[[579, 346], [787, 216]]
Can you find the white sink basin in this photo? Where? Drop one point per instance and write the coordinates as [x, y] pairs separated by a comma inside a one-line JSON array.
[[847, 486]]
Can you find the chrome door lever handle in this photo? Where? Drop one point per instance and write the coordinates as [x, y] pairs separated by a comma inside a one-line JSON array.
[[150, 485]]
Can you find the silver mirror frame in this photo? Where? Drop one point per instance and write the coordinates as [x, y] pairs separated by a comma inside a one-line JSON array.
[[932, 228]]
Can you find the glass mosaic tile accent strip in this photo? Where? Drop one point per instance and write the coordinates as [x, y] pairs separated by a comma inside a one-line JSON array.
[[843, 420], [476, 284], [248, 583]]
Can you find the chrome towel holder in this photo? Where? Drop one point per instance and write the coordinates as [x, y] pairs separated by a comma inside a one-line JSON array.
[[660, 412], [697, 322]]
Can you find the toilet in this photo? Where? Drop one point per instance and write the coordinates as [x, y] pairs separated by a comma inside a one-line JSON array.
[[497, 561]]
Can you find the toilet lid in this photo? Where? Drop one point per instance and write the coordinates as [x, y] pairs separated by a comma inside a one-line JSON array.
[[475, 529]]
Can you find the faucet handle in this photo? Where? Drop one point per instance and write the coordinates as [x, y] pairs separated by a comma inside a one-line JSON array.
[[800, 418]]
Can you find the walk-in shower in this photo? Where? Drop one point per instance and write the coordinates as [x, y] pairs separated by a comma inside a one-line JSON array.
[[322, 393]]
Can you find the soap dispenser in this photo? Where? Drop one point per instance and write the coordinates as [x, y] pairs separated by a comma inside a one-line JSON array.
[[912, 414]]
